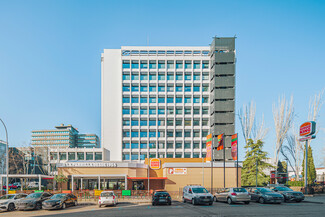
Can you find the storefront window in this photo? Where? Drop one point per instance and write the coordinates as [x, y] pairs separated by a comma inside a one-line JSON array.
[[98, 156], [71, 156], [81, 156], [53, 156], [89, 156], [63, 156]]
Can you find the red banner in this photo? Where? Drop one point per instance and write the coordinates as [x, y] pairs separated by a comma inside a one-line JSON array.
[[234, 146], [220, 142]]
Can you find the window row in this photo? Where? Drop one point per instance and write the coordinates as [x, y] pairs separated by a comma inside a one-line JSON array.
[[165, 52], [143, 156], [163, 64], [162, 134], [187, 99], [162, 110], [163, 88], [168, 122], [76, 156], [163, 77], [161, 145]]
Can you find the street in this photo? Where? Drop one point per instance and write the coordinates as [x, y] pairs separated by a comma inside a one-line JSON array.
[[313, 206]]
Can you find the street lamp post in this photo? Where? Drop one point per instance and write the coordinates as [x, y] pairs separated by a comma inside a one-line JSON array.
[[7, 157]]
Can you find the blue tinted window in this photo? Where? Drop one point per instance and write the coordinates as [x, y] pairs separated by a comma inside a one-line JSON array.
[[126, 100], [205, 64], [161, 77], [126, 145], [152, 122], [144, 64], [161, 64], [188, 77], [170, 77], [205, 99], [143, 88], [135, 100], [143, 156], [134, 145], [135, 77], [196, 100], [126, 111], [179, 100], [188, 64], [161, 100], [143, 100], [135, 88], [179, 64], [126, 122], [126, 88], [196, 77], [152, 64], [161, 111], [187, 100], [135, 64], [143, 134], [152, 134], [126, 133], [143, 77], [126, 77], [126, 156], [143, 123], [196, 89], [179, 88], [152, 111], [152, 88], [179, 77], [161, 88], [143, 145], [196, 65], [134, 134], [143, 111], [152, 77], [152, 145], [161, 134], [170, 89], [134, 157], [134, 123], [135, 111], [126, 64], [152, 100], [170, 100], [187, 89]]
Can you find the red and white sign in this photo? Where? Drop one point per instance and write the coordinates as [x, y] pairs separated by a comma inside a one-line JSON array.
[[307, 128], [307, 137], [155, 164], [177, 171]]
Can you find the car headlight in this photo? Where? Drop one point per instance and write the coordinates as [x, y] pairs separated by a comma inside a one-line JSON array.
[[4, 203]]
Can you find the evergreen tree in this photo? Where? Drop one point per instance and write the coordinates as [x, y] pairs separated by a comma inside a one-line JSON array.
[[255, 156], [311, 175], [281, 172]]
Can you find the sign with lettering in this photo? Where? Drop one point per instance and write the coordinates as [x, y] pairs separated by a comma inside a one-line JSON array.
[[177, 171], [86, 164], [308, 128], [155, 164]]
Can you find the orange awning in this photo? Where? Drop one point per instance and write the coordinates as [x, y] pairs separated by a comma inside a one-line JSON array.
[[152, 178]]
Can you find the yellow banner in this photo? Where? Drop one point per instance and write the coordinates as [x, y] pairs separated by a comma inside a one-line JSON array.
[[11, 192], [98, 192]]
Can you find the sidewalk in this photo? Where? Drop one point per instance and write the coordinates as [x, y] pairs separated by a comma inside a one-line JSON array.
[[87, 202]]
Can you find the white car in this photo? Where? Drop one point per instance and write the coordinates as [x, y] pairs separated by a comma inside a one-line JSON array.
[[107, 198], [197, 194], [8, 202]]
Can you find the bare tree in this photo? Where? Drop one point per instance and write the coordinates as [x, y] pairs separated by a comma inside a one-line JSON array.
[[283, 115], [247, 119], [259, 130]]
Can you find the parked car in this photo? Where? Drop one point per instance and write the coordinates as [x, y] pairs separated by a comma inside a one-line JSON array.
[[7, 202], [33, 201], [60, 201], [11, 186], [289, 194], [233, 195], [161, 197], [17, 184], [33, 185], [197, 194], [107, 198], [266, 195]]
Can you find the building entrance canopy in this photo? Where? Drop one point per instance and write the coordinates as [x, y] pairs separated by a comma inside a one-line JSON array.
[[26, 176]]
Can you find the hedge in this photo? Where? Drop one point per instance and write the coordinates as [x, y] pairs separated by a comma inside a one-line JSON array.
[[296, 183]]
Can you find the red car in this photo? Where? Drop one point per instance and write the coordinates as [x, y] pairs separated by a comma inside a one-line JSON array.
[[11, 186]]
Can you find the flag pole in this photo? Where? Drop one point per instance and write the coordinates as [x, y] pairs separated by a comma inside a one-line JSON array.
[[237, 158], [211, 164], [224, 162]]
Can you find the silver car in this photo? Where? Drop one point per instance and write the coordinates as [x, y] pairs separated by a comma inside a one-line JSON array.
[[233, 195], [8, 202]]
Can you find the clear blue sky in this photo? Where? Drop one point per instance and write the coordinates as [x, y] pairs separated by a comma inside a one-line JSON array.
[[50, 55]]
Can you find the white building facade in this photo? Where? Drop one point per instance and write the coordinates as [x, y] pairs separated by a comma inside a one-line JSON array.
[[155, 102]]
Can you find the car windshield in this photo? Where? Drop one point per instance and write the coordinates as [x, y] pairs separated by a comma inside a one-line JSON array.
[[34, 195], [161, 193], [238, 190], [264, 190], [107, 194], [283, 189], [7, 197], [199, 190], [58, 196]]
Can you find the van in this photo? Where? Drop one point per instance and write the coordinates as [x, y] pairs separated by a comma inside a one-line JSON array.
[[197, 194]]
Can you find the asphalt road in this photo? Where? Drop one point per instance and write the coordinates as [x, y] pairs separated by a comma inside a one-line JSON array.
[[311, 207]]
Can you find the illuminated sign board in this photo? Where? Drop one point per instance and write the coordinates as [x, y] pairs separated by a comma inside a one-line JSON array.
[[307, 128], [155, 164]]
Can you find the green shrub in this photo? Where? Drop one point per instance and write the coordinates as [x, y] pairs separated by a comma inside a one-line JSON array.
[[296, 183]]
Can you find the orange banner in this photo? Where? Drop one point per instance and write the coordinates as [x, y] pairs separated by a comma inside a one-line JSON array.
[[220, 142]]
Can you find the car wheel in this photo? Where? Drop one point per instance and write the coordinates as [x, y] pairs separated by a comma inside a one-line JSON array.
[[64, 206], [298, 201], [38, 206], [215, 199], [229, 200], [261, 200], [169, 203], [11, 207], [210, 204], [246, 202], [184, 201]]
